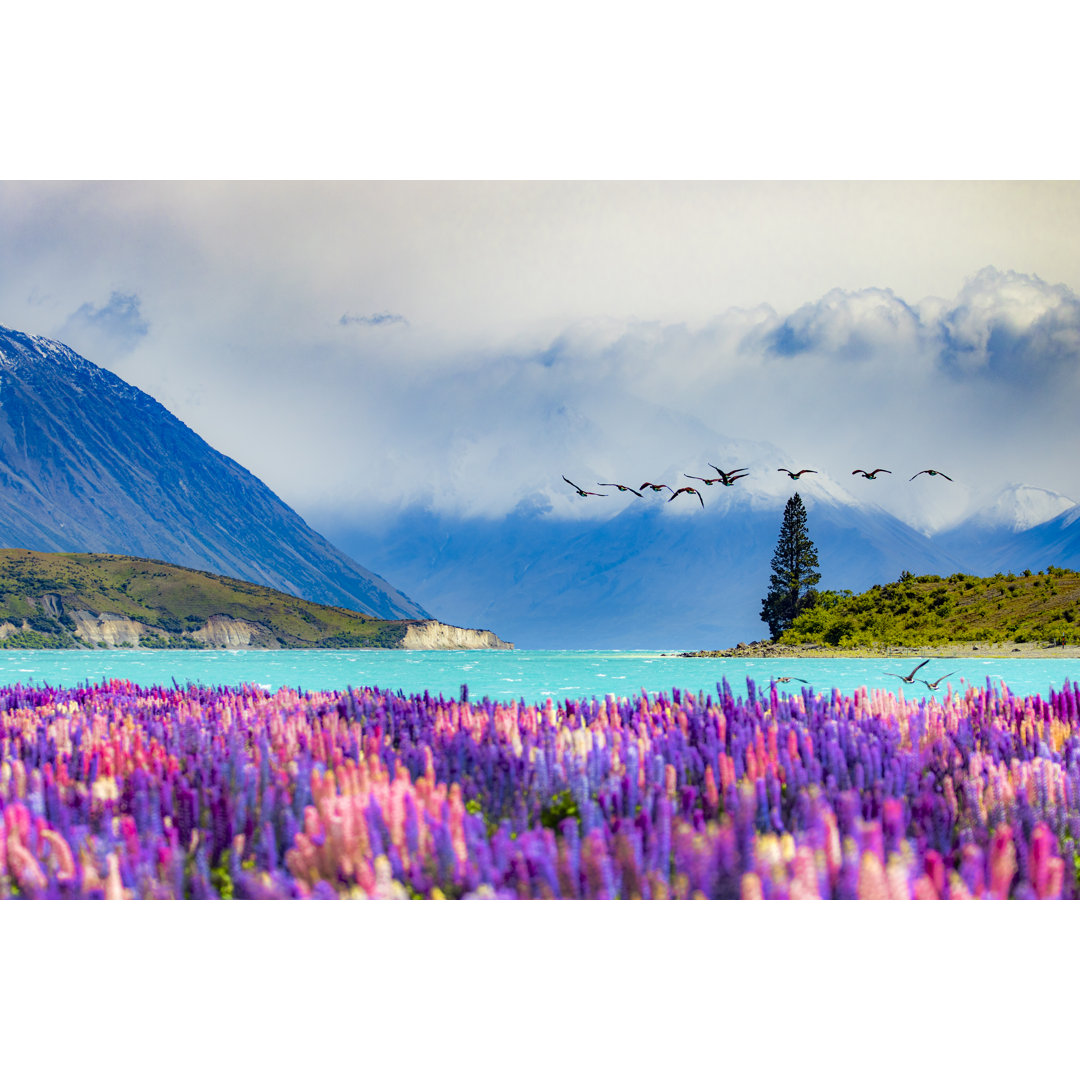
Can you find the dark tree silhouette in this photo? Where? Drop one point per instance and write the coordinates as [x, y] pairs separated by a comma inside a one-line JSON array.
[[794, 571]]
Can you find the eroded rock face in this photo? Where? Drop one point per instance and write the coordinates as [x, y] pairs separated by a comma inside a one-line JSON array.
[[116, 631], [224, 632], [436, 635], [52, 605]]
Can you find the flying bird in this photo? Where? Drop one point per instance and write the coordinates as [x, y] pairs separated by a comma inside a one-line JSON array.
[[934, 685], [788, 678], [872, 475], [582, 492], [693, 491], [728, 478], [622, 487], [706, 480], [932, 472], [796, 475], [907, 678], [655, 487]]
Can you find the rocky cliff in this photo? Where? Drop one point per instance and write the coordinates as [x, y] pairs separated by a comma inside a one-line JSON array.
[[436, 635], [113, 631]]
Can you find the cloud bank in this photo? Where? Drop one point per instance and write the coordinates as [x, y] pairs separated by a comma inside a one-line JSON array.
[[981, 387]]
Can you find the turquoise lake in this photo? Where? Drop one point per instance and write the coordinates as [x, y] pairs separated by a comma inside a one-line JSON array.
[[532, 675]]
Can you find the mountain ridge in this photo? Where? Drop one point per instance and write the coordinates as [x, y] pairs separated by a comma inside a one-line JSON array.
[[651, 576], [89, 462], [648, 577]]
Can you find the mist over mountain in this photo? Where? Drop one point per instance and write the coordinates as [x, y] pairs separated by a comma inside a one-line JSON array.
[[654, 575], [649, 577], [90, 463]]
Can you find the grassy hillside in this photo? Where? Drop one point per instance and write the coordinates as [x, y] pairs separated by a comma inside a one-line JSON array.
[[929, 610], [41, 592]]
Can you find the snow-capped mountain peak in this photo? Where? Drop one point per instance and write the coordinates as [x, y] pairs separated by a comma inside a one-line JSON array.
[[1022, 506]]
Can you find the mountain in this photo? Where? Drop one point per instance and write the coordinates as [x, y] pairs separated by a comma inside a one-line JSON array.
[[1025, 528], [1021, 506], [1052, 543], [650, 577], [61, 600], [90, 463]]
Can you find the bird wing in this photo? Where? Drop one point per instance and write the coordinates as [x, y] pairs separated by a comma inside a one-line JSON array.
[[572, 484], [923, 664]]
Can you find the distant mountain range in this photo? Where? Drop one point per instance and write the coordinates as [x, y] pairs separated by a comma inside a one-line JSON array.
[[89, 463], [652, 578]]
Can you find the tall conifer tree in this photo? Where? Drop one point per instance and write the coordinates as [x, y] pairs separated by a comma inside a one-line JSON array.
[[794, 571]]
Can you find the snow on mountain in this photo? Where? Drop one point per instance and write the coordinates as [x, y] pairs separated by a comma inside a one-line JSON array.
[[1021, 506]]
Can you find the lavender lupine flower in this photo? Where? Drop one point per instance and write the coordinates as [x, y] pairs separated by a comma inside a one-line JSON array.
[[122, 791]]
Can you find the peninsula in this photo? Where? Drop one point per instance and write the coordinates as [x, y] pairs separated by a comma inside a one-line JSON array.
[[70, 601], [1028, 614]]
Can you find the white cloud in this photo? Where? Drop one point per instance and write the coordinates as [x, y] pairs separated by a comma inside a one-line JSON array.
[[110, 331], [1011, 325], [849, 326]]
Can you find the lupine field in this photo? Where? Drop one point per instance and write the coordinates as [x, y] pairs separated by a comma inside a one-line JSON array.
[[115, 791]]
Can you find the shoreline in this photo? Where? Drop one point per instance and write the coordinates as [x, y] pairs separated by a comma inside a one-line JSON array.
[[1015, 650]]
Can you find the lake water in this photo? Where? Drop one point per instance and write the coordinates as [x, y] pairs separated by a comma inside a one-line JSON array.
[[532, 675]]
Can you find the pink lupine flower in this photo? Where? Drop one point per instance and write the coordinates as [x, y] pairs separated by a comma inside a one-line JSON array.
[[751, 887], [873, 884], [1002, 862], [24, 867], [1047, 870], [60, 855]]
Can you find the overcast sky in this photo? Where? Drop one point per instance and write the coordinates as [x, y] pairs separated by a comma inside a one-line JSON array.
[[365, 345], [360, 346]]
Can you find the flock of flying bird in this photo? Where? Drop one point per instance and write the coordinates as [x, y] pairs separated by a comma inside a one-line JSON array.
[[727, 479]]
